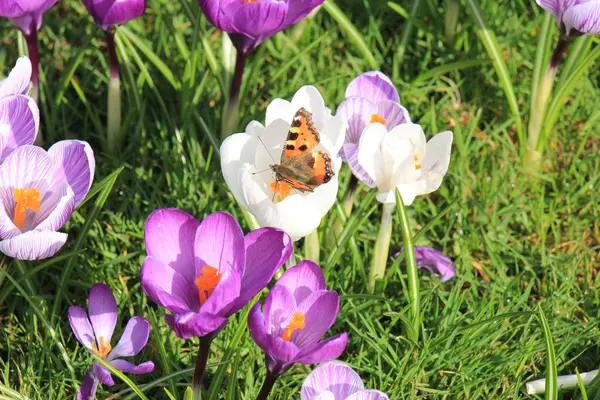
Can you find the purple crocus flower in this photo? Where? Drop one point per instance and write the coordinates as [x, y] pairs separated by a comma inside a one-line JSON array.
[[38, 192], [251, 22], [108, 13], [25, 14], [204, 272], [19, 114], [434, 261], [335, 380], [582, 16], [95, 333], [298, 311], [370, 98]]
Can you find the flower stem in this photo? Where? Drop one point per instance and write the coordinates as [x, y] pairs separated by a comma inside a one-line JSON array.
[[114, 95], [564, 382], [382, 246], [34, 57], [267, 386], [540, 102], [203, 353], [412, 272], [231, 111], [451, 18], [312, 248], [348, 205]]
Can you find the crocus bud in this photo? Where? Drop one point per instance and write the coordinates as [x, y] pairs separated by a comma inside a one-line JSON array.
[[25, 14], [108, 13]]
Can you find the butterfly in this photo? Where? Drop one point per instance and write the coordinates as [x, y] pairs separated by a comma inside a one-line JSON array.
[[301, 167]]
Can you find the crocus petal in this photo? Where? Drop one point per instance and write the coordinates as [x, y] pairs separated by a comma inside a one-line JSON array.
[[19, 123], [435, 262], [370, 156], [18, 81], [225, 294], [284, 352], [103, 375], [350, 151], [370, 394], [326, 395], [374, 86], [55, 211], [81, 327], [259, 19], [27, 167], [219, 243], [300, 9], [279, 109], [169, 234], [257, 328], [129, 368], [194, 324], [102, 307], [212, 10], [133, 340], [326, 350], [278, 310], [556, 7], [436, 160], [167, 287], [356, 112], [303, 279], [335, 377], [311, 99], [320, 310], [267, 249], [584, 17], [33, 245], [123, 11], [75, 163], [87, 390]]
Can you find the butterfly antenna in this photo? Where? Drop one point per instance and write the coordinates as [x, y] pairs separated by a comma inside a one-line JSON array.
[[267, 150]]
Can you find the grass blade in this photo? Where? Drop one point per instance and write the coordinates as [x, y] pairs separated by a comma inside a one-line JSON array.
[[121, 376], [551, 368]]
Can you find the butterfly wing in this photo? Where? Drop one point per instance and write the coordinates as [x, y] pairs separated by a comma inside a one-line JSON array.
[[307, 172], [302, 136]]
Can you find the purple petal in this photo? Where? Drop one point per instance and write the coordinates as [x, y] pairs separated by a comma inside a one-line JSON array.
[[356, 112], [19, 79], [300, 9], [87, 390], [133, 340], [261, 19], [123, 11], [334, 376], [193, 324], [320, 310], [257, 327], [169, 236], [224, 295], [393, 113], [33, 245], [167, 287], [219, 243], [435, 262], [374, 86], [103, 374], [129, 368], [556, 7], [75, 164], [27, 167], [267, 249], [213, 10], [351, 153], [303, 279], [102, 307], [81, 327], [583, 17], [19, 123], [369, 394], [55, 210], [326, 350], [282, 351], [278, 310]]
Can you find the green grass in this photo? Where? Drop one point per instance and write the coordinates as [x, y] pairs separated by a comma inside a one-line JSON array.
[[518, 239]]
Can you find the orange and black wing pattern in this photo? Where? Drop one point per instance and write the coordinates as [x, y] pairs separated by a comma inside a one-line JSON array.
[[302, 136]]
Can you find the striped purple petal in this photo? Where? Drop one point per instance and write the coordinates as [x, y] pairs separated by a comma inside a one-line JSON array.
[[19, 123], [19, 79], [374, 86], [584, 17], [103, 311], [333, 376], [33, 245], [75, 164], [129, 368]]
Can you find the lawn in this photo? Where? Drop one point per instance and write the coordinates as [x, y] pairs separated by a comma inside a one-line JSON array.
[[522, 239]]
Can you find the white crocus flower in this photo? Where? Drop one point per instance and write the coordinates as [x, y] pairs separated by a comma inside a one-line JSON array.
[[246, 160], [403, 159]]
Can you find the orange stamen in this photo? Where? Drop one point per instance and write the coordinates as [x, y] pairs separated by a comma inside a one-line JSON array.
[[250, 1], [281, 189], [417, 163], [207, 282], [105, 348], [378, 118], [298, 322], [25, 199]]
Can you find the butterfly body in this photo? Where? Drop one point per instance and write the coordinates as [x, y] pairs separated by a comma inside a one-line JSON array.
[[302, 167]]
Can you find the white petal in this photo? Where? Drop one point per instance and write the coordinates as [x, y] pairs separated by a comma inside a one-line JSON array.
[[335, 130], [237, 151], [280, 109], [310, 98], [18, 80], [370, 156], [436, 160]]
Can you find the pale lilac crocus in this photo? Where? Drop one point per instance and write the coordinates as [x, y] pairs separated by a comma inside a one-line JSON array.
[[434, 261], [38, 192], [297, 313], [19, 114], [204, 272], [574, 16], [335, 380], [370, 98], [95, 334]]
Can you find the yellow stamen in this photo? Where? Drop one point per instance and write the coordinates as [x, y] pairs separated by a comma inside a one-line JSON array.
[[207, 282], [281, 189], [378, 118], [105, 348], [298, 322], [417, 163], [25, 199]]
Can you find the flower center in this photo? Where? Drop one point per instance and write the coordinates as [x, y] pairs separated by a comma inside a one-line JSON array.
[[378, 118], [25, 199], [250, 1], [207, 282], [281, 189], [417, 162], [104, 349], [298, 322]]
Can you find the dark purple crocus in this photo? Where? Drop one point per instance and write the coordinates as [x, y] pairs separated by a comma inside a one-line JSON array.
[[204, 272], [108, 13], [95, 333], [434, 261], [298, 311], [335, 380], [27, 16], [581, 16], [370, 98]]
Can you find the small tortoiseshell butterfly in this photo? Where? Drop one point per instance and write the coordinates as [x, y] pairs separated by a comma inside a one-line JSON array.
[[301, 167]]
